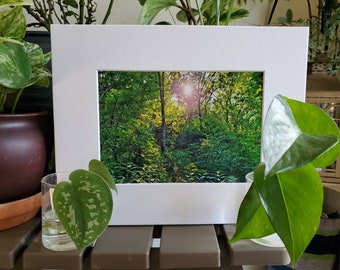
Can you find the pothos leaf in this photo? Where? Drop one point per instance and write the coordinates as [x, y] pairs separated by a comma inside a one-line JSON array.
[[13, 22], [252, 220], [313, 120], [15, 67], [84, 206], [296, 137], [284, 197], [285, 144]]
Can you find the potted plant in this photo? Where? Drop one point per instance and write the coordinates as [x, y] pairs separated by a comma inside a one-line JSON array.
[[83, 204], [23, 152], [219, 12], [286, 195], [324, 41]]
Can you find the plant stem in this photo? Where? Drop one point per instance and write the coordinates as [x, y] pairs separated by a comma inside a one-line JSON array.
[[218, 12], [230, 9], [16, 99], [63, 17], [108, 12], [3, 97], [272, 12], [199, 12], [81, 11]]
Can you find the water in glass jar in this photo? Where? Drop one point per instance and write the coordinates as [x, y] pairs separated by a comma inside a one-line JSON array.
[[54, 236]]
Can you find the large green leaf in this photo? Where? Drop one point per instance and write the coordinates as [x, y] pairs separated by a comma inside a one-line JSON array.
[[315, 121], [152, 7], [40, 75], [252, 220], [13, 23], [285, 144], [6, 3], [295, 134], [84, 206], [15, 67], [293, 202]]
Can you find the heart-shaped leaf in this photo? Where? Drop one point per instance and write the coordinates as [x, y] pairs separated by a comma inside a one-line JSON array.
[[15, 67], [99, 168], [13, 21], [84, 206], [287, 192], [285, 144]]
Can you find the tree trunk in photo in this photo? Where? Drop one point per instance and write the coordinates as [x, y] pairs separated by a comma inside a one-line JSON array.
[[162, 100]]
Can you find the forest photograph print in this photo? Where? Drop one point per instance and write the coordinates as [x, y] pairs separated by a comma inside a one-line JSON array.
[[180, 126]]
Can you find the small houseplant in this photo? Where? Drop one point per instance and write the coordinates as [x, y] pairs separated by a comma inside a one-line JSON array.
[[324, 40], [207, 12], [84, 204], [22, 64], [286, 196]]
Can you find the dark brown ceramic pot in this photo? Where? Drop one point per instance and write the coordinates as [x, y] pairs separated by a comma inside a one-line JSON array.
[[22, 154]]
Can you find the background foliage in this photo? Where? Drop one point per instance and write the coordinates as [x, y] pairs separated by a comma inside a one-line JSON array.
[[180, 126]]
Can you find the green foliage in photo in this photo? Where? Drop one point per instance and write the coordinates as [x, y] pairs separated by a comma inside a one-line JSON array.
[[159, 127]]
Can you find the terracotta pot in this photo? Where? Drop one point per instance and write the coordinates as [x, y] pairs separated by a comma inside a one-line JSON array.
[[18, 212], [22, 154]]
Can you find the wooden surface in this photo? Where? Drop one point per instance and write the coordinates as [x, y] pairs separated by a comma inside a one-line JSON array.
[[14, 241], [247, 252], [189, 246], [322, 88], [38, 257], [123, 248], [132, 247]]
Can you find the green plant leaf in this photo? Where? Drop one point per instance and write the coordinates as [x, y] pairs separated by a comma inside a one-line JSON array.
[[84, 206], [13, 23], [152, 7], [285, 145], [40, 75], [289, 15], [252, 220], [98, 167], [71, 3], [285, 197], [12, 3], [239, 13], [15, 67], [315, 121], [182, 17]]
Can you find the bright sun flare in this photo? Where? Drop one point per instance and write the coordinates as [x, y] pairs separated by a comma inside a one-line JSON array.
[[187, 90]]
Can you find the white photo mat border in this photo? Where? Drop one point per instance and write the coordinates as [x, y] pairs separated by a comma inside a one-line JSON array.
[[80, 51]]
